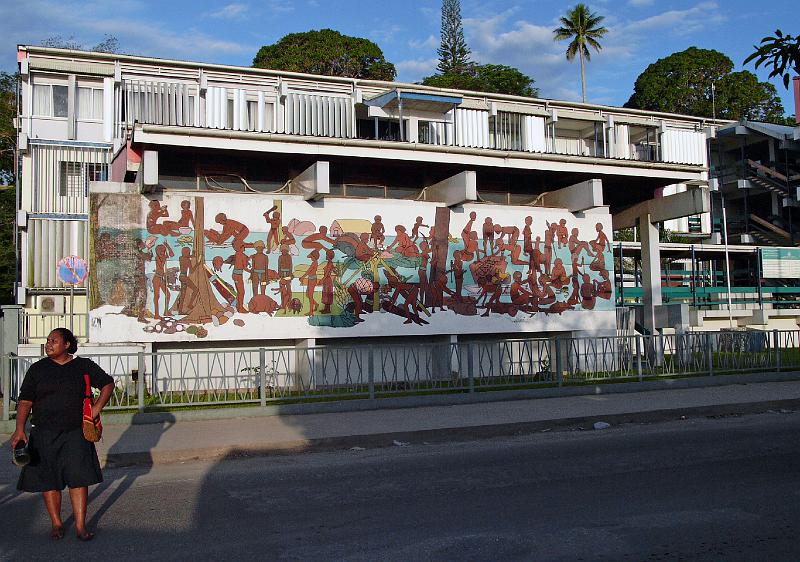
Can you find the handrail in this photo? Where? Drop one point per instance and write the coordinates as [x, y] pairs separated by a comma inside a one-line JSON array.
[[768, 225], [766, 169]]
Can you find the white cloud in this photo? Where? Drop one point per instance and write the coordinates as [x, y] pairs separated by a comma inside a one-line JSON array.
[[679, 22], [230, 11], [280, 7], [640, 3], [432, 42], [415, 70]]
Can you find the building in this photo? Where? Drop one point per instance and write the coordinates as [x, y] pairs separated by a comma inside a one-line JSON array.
[[219, 205]]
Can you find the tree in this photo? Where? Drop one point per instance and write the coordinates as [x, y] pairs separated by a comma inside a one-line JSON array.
[[779, 52], [453, 51], [682, 83], [492, 78], [109, 44], [8, 135], [326, 52], [583, 27]]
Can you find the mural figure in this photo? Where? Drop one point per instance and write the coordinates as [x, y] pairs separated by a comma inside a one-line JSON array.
[[166, 228], [561, 232], [415, 233], [527, 246], [309, 278], [285, 269], [405, 246], [328, 276], [241, 263], [378, 232], [273, 218], [488, 236], [160, 285], [259, 273], [601, 242], [187, 294], [187, 217], [313, 241], [231, 229]]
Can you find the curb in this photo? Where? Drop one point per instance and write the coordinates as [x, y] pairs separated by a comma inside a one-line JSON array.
[[440, 435]]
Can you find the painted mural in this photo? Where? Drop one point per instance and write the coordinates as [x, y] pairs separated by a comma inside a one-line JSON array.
[[221, 267]]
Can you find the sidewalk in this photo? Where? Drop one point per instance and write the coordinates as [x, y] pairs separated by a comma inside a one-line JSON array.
[[182, 440]]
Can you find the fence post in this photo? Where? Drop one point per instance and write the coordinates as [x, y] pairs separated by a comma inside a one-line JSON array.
[[776, 339], [639, 346], [140, 382], [559, 367], [6, 374], [262, 375], [371, 372], [470, 369], [709, 354]]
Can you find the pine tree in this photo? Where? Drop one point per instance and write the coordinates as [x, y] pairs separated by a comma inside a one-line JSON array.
[[453, 51]]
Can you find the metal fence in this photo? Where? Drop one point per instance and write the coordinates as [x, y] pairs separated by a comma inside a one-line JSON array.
[[170, 379]]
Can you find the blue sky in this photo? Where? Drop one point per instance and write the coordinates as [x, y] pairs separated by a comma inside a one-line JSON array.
[[498, 31]]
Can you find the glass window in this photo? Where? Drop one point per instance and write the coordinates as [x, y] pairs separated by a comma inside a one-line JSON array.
[[42, 100], [72, 182], [60, 104]]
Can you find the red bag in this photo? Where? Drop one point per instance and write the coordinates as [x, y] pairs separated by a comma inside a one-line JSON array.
[[92, 427]]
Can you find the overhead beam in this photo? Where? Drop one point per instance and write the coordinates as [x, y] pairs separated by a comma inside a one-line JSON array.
[[455, 190], [687, 203], [578, 197], [314, 182]]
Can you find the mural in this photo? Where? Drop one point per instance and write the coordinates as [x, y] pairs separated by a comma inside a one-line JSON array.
[[253, 267]]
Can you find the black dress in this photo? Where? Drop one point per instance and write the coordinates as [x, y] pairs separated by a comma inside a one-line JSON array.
[[60, 456]]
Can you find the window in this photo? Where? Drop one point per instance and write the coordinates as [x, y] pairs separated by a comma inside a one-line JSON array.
[[50, 100], [90, 103], [75, 177]]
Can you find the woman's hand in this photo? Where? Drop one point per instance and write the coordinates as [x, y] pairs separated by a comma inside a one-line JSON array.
[[17, 436]]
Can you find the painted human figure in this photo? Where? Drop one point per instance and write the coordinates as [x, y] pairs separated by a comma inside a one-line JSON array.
[[405, 246], [561, 233], [328, 276], [537, 256], [285, 269], [313, 241], [494, 289], [440, 288], [558, 277], [363, 252], [273, 218], [546, 294], [310, 277], [470, 238], [231, 229], [519, 295], [601, 243], [599, 261], [187, 217], [409, 292], [377, 232], [576, 245], [139, 301], [287, 238], [603, 288], [259, 269], [457, 267], [516, 251], [527, 246], [241, 264], [549, 239], [188, 292], [362, 287], [510, 232], [160, 285], [165, 228], [415, 233], [424, 254], [575, 295], [488, 236], [588, 293]]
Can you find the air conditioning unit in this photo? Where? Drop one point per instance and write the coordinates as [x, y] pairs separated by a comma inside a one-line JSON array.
[[50, 304]]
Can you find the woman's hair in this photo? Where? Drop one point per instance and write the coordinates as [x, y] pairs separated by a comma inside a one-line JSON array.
[[69, 339]]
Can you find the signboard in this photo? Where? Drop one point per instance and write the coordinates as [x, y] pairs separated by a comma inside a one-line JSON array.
[[780, 263], [72, 270]]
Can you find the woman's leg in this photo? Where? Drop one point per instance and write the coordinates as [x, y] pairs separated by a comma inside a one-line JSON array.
[[52, 501], [79, 498]]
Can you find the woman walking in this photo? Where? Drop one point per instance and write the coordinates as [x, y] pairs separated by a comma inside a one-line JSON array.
[[54, 389]]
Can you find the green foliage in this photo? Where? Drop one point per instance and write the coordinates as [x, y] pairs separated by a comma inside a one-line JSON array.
[[582, 27], [453, 51], [8, 263], [491, 78], [8, 135], [781, 53], [682, 83], [326, 52]]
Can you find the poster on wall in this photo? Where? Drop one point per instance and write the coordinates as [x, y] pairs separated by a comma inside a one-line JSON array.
[[187, 267]]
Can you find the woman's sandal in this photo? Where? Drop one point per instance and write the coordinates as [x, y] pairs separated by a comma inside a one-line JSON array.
[[57, 533], [86, 536]]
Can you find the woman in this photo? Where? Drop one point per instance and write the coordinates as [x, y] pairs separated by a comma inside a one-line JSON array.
[[54, 388]]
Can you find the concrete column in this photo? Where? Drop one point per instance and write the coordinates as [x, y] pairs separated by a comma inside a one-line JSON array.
[[314, 182], [651, 270], [307, 362]]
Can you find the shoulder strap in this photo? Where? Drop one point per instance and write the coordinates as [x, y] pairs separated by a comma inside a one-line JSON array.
[[88, 386]]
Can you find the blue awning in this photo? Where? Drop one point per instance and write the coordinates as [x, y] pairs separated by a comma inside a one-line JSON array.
[[417, 100]]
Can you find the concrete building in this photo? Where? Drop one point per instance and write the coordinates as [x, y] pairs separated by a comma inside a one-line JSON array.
[[218, 205]]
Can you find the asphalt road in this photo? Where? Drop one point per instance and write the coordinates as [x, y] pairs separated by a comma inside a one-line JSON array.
[[710, 489]]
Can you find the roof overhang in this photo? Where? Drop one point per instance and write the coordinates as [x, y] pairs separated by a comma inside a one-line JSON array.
[[421, 101]]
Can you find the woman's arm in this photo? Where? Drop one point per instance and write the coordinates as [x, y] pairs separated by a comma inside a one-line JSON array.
[[23, 410], [102, 400]]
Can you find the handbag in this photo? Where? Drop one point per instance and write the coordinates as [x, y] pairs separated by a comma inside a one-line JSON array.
[[92, 427]]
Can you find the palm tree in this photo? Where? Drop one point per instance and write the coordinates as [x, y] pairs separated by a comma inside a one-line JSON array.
[[583, 27]]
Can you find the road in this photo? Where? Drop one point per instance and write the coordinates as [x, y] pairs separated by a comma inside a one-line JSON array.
[[708, 489]]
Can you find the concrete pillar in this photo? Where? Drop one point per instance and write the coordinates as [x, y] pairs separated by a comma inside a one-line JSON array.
[[651, 270], [314, 182], [307, 363]]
